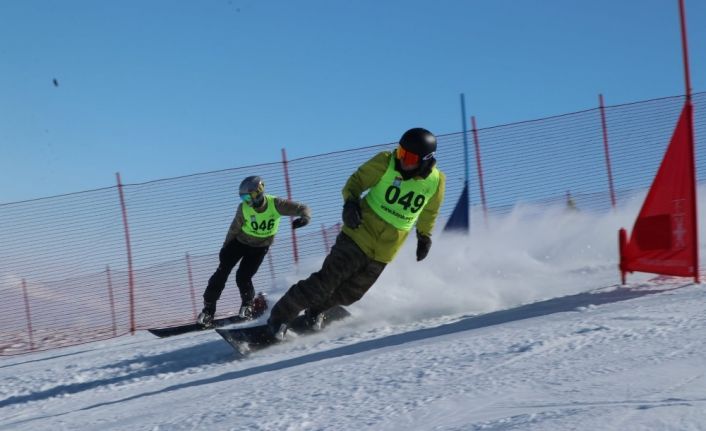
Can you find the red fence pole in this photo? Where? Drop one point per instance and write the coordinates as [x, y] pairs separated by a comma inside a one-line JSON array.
[[131, 280], [694, 198], [325, 235], [685, 49], [606, 150], [112, 301], [29, 314], [479, 166], [687, 85], [191, 285], [272, 268], [289, 196]]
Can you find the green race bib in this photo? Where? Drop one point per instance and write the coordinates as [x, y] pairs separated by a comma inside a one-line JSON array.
[[264, 224], [399, 202]]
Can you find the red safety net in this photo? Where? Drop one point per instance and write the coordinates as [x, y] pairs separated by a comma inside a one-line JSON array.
[[63, 261]]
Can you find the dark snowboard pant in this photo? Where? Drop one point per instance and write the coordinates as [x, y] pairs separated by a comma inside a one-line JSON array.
[[228, 257], [347, 273]]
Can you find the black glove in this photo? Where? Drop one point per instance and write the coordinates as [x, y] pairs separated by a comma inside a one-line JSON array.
[[423, 246], [300, 222], [352, 214]]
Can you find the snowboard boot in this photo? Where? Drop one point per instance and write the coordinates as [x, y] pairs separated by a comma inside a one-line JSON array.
[[275, 330], [314, 319], [205, 318], [246, 311]]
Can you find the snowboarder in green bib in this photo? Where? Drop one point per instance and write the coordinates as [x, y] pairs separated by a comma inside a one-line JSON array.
[[405, 189], [249, 238]]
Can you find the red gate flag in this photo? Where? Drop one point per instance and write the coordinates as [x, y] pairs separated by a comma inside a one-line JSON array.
[[664, 238]]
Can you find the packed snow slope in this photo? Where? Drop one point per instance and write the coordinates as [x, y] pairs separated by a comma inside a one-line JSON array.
[[520, 327]]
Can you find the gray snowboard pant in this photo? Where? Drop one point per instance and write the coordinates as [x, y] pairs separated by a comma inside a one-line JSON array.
[[347, 273]]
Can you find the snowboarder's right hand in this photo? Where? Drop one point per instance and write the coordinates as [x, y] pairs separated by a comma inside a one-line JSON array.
[[352, 214]]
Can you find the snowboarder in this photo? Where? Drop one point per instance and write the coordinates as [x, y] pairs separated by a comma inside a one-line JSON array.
[[249, 238], [404, 188]]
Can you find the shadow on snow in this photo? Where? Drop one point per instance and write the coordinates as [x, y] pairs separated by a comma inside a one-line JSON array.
[[220, 352]]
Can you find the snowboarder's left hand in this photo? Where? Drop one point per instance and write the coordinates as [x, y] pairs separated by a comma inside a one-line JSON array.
[[300, 222], [423, 246]]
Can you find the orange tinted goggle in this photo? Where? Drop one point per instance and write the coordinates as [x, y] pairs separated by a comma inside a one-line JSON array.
[[410, 158]]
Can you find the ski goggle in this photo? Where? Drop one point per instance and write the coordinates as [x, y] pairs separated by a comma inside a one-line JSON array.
[[249, 197], [410, 158]]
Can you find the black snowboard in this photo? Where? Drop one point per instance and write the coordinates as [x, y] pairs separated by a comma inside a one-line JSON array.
[[259, 306], [192, 327], [246, 339]]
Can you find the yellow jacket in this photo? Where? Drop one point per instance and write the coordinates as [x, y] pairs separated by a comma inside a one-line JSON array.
[[378, 239]]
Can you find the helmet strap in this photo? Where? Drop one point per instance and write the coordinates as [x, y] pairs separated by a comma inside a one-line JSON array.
[[259, 202], [426, 167]]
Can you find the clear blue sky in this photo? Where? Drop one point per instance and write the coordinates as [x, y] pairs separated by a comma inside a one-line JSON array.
[[157, 89]]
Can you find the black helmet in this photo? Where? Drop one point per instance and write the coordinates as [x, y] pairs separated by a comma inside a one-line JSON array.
[[419, 141], [252, 191], [422, 144]]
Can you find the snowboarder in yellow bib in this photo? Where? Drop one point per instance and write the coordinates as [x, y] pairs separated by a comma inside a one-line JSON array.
[[251, 233], [405, 188]]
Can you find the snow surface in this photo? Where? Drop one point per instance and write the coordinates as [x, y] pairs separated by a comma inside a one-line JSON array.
[[521, 327]]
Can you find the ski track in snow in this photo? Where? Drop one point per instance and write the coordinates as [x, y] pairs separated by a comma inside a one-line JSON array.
[[632, 364]]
